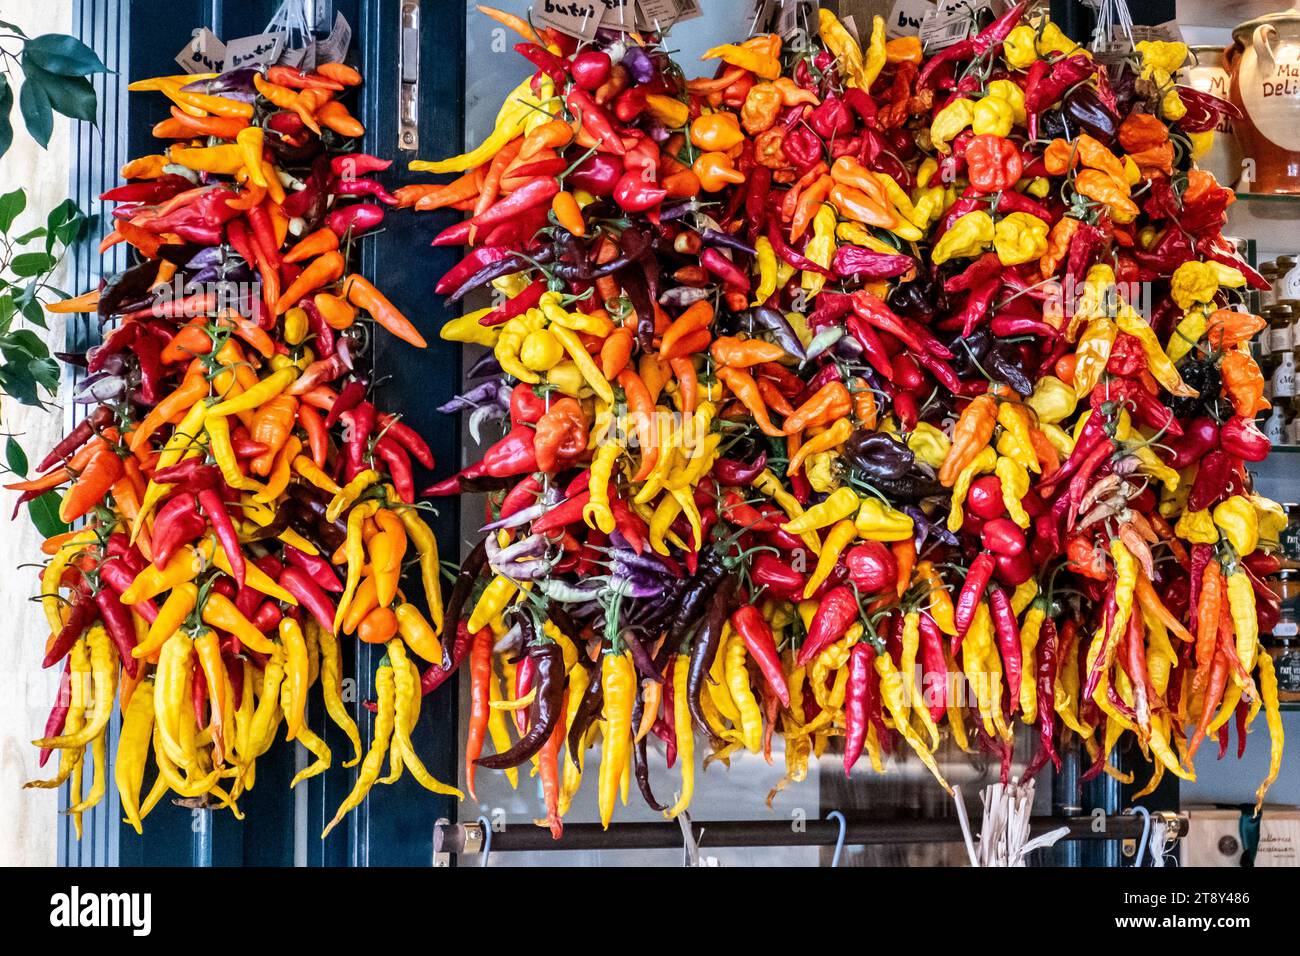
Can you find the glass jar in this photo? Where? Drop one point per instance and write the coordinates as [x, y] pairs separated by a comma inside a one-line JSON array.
[[1264, 298], [1289, 541], [1288, 281], [1275, 425], [1281, 338]]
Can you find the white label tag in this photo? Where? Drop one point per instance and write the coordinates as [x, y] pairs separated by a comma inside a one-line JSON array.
[[205, 53], [261, 50], [952, 22], [906, 17], [334, 48], [578, 18]]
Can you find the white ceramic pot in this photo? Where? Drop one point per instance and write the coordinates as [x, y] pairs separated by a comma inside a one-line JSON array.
[[1209, 75], [1265, 66]]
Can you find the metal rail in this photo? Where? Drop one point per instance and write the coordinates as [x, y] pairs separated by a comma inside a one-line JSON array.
[[468, 838]]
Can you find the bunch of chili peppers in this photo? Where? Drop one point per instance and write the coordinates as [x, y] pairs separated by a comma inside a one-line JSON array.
[[827, 410], [246, 505]]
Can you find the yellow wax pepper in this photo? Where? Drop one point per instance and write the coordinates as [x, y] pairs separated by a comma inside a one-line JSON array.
[[520, 105], [1237, 520], [970, 235], [1011, 94], [950, 121], [992, 115], [1019, 47], [1052, 400], [1019, 238], [877, 521], [1197, 527], [1195, 282], [929, 444], [821, 248]]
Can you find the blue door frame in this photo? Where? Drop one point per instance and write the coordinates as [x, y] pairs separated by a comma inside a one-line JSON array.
[[139, 38]]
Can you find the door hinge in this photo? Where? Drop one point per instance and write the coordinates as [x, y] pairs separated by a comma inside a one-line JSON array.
[[408, 93]]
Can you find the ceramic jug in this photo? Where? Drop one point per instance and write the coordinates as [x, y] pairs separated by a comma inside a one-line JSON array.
[[1265, 65]]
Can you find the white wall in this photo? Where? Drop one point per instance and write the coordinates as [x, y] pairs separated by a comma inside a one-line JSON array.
[[28, 818]]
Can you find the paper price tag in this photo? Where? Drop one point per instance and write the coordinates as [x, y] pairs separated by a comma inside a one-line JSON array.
[[618, 15], [579, 18], [952, 22], [906, 17], [205, 53], [260, 50], [334, 48]]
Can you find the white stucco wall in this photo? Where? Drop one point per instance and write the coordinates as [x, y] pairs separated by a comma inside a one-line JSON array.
[[28, 818]]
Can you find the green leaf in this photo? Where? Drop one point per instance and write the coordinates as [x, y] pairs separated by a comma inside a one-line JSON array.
[[70, 95], [6, 25], [64, 55], [11, 204], [23, 344], [27, 237], [6, 104], [46, 373], [16, 457], [17, 382], [34, 312], [45, 514], [64, 224], [36, 110], [32, 263]]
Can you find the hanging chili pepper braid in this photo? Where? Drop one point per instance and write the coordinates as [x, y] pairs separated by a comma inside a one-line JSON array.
[[245, 503], [827, 406]]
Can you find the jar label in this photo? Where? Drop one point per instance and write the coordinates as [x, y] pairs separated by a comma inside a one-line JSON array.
[[1288, 673]]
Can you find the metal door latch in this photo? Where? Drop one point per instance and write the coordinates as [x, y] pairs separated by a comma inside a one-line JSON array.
[[408, 93]]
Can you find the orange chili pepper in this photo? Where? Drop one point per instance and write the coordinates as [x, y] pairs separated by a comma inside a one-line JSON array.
[[318, 243], [318, 439], [810, 200], [340, 73], [363, 295], [688, 384], [744, 353], [828, 403], [568, 213], [697, 317], [337, 312], [743, 386], [272, 425], [336, 116], [321, 271], [378, 627], [615, 351]]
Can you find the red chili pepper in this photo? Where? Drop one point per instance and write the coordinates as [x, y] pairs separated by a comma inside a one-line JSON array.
[[563, 515], [302, 585], [356, 219], [408, 438], [176, 523], [972, 592], [754, 631], [212, 505], [91, 425], [59, 712], [348, 165], [595, 120], [321, 571], [399, 467], [365, 187], [858, 702], [1008, 638], [836, 613], [435, 676]]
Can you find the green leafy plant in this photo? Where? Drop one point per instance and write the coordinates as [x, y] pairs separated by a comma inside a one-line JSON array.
[[26, 263], [56, 71]]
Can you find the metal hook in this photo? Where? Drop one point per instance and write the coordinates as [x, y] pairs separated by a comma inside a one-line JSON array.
[[839, 841], [1146, 832], [486, 824], [690, 848]]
